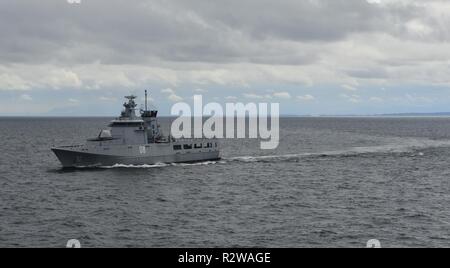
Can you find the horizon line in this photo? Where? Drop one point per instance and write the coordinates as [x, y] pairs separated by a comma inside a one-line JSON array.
[[411, 114]]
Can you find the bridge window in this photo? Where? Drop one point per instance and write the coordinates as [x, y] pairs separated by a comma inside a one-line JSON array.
[[198, 146], [177, 147], [187, 146]]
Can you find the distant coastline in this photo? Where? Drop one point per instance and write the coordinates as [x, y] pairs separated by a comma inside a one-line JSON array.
[[443, 114]]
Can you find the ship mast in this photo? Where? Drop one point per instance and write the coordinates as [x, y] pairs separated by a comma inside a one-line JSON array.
[[146, 100], [145, 112]]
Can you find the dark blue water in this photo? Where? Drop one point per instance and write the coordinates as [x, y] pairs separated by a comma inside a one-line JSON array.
[[333, 182]]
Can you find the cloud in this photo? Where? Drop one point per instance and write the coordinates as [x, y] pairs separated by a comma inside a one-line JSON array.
[[108, 99], [168, 91], [349, 88], [26, 97], [302, 42], [414, 98], [252, 45], [27, 77], [279, 95], [173, 30], [306, 97], [62, 79], [257, 96], [174, 98], [352, 98], [73, 101], [74, 1], [171, 95], [282, 95], [376, 99], [13, 82]]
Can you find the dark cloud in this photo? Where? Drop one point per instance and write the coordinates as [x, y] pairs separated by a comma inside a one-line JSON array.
[[369, 73], [139, 32], [293, 20]]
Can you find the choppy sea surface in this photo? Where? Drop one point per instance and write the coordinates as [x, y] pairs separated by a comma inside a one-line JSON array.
[[333, 182]]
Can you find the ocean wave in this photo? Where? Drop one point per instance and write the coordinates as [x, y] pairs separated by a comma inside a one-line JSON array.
[[158, 165], [162, 165], [206, 163], [406, 146]]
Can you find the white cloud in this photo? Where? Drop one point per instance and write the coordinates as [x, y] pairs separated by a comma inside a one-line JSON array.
[[174, 98], [279, 95], [12, 82], [418, 28], [171, 95], [168, 91], [349, 88], [27, 77], [26, 97], [257, 96], [376, 99], [306, 97], [282, 95], [352, 98], [108, 99], [414, 98], [72, 102], [60, 78]]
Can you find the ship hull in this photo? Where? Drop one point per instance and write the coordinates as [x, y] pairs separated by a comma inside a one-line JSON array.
[[75, 159]]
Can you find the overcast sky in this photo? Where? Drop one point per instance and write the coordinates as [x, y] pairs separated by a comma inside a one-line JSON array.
[[311, 56]]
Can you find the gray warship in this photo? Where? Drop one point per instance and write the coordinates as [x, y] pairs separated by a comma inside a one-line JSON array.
[[136, 140]]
